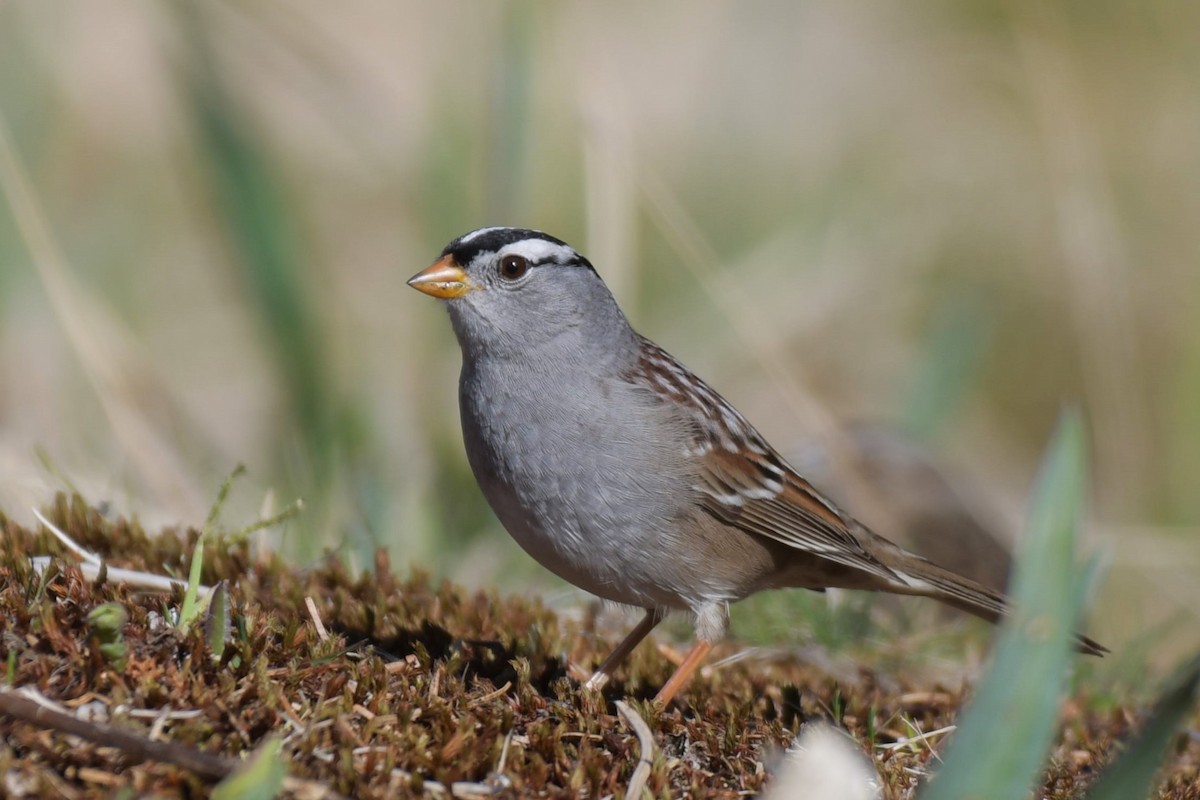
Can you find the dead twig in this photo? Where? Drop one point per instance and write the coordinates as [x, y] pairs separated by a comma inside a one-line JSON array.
[[31, 707]]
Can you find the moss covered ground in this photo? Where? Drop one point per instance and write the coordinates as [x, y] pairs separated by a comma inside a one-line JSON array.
[[417, 687]]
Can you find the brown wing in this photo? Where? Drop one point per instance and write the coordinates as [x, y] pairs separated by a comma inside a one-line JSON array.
[[744, 482], [784, 507]]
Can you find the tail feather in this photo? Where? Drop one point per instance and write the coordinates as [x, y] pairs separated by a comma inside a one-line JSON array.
[[918, 576]]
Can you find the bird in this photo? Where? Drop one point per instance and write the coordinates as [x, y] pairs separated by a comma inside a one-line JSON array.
[[625, 474]]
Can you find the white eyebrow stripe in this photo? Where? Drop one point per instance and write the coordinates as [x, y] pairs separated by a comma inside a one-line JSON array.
[[537, 250]]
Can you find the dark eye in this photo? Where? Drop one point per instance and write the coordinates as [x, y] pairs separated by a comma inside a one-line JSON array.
[[513, 267]]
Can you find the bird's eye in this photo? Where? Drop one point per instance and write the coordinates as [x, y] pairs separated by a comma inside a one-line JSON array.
[[513, 267]]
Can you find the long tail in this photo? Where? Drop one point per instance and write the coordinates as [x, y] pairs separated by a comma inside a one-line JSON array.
[[918, 576]]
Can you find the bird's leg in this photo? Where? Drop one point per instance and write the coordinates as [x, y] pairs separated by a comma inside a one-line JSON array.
[[682, 675], [622, 651], [712, 622]]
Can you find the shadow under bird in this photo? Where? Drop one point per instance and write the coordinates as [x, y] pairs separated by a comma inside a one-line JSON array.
[[622, 472]]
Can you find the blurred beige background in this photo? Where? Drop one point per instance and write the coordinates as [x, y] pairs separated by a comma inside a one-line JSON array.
[[942, 220]]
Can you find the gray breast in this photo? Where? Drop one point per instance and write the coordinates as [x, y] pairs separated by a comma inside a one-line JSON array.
[[576, 468]]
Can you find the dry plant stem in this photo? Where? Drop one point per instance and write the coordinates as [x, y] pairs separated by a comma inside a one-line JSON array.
[[645, 749], [682, 675], [91, 565], [622, 651], [138, 580], [322, 634], [87, 555], [20, 704]]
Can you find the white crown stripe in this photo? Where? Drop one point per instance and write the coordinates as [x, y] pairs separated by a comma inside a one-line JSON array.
[[475, 234]]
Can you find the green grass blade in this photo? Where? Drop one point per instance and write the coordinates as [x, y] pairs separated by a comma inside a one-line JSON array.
[[192, 602], [1004, 736], [264, 232], [950, 363], [217, 627], [260, 778], [193, 605], [1133, 774], [258, 216]]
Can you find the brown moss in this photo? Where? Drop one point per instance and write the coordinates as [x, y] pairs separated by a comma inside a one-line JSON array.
[[423, 681]]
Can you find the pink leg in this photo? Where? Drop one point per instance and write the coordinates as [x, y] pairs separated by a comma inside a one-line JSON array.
[[622, 651], [682, 675]]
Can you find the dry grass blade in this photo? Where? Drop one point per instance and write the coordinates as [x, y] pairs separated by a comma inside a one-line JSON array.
[[1094, 253], [87, 555], [322, 634], [646, 749], [93, 566], [105, 351]]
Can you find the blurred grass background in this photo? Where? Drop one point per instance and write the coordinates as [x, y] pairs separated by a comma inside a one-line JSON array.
[[937, 220]]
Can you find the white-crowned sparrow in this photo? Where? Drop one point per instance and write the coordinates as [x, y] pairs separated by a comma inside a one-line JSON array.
[[622, 472]]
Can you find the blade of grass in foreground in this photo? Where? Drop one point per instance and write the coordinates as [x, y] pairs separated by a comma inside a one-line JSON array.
[[1133, 773], [259, 778], [1004, 736]]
